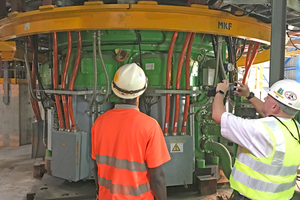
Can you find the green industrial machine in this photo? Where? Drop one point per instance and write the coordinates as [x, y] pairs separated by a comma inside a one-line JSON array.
[[198, 153]]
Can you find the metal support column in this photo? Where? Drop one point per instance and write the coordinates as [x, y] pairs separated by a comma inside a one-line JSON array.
[[5, 83], [2, 9], [17, 5], [277, 40], [298, 70]]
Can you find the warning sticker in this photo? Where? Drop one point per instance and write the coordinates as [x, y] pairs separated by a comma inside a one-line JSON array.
[[176, 147]]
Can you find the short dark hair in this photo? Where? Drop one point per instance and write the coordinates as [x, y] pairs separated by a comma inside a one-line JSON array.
[[128, 101]]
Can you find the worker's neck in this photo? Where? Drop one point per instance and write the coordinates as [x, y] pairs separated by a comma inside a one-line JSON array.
[[134, 102], [283, 115]]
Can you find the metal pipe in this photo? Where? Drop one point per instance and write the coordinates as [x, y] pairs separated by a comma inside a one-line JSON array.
[[187, 84], [104, 69], [95, 69], [178, 76], [71, 85], [168, 81], [223, 153], [55, 81], [64, 79]]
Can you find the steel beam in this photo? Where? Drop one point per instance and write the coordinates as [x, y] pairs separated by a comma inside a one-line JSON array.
[[3, 8], [17, 5], [277, 40]]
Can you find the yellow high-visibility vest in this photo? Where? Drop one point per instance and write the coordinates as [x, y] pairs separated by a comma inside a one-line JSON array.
[[272, 177]]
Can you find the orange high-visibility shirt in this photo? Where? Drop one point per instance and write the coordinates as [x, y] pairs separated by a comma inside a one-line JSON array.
[[125, 143]]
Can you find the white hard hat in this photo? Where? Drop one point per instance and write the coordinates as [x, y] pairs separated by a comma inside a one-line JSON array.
[[129, 81], [286, 92]]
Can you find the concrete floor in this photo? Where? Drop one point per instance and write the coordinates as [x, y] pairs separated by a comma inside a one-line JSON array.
[[16, 172]]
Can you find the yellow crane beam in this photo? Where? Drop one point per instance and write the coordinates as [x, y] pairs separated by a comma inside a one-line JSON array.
[[146, 15]]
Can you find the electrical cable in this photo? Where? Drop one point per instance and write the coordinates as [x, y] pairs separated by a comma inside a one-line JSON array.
[[242, 50], [63, 81], [140, 48], [298, 140], [72, 80], [168, 81], [178, 75], [292, 41], [29, 76], [55, 81], [194, 60], [95, 69], [187, 82], [104, 69]]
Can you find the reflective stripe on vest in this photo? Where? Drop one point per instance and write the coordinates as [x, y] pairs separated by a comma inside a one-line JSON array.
[[260, 185], [123, 189], [121, 163], [263, 176], [267, 168]]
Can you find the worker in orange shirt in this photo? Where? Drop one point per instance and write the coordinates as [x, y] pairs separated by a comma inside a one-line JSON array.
[[127, 145]]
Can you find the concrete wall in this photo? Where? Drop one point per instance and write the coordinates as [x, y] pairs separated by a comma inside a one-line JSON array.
[[16, 117]]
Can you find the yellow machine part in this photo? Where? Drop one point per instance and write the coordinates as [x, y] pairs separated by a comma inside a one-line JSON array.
[[146, 15], [7, 50]]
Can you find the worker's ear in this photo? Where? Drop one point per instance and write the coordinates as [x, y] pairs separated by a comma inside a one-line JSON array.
[[275, 108]]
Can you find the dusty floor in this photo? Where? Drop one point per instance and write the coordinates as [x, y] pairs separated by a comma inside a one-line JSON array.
[[16, 172]]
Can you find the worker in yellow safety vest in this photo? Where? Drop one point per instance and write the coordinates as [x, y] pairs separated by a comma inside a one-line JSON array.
[[268, 154]]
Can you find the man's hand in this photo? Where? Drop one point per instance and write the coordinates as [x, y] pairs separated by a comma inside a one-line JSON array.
[[242, 89], [223, 86]]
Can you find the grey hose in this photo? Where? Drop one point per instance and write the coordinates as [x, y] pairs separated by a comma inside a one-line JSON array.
[[32, 95], [223, 153], [95, 69], [221, 59], [104, 69], [217, 67]]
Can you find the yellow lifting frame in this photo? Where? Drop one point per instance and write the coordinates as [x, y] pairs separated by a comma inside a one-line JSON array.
[[7, 50], [146, 15]]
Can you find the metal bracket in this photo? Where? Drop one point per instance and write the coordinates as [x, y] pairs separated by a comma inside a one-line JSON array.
[[191, 92], [65, 92]]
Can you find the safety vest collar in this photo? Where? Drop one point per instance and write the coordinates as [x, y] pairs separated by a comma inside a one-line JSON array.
[[126, 107]]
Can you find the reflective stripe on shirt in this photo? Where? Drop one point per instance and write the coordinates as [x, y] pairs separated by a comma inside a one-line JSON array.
[[124, 189], [280, 142], [121, 163], [267, 168], [260, 185]]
